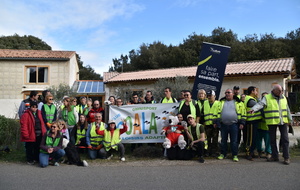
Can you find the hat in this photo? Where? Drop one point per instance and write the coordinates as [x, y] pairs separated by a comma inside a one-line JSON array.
[[32, 103], [190, 115], [210, 92], [111, 121], [236, 88]]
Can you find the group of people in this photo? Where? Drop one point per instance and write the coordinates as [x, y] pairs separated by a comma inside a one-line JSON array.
[[246, 120], [44, 128]]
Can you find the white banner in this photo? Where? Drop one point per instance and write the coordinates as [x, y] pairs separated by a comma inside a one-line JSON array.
[[144, 121]]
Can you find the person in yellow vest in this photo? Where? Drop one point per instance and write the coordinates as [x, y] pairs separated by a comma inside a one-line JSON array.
[[81, 131], [189, 106], [231, 116], [51, 146], [70, 116], [112, 140], [263, 134], [196, 135], [277, 115], [93, 140], [82, 108], [252, 122], [49, 111], [210, 108], [201, 98], [168, 96]]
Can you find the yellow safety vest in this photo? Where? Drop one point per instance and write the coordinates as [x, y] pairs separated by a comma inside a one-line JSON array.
[[111, 141], [210, 112], [95, 138], [251, 117], [272, 110], [192, 108]]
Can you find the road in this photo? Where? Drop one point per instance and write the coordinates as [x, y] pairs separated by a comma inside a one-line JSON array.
[[154, 174]]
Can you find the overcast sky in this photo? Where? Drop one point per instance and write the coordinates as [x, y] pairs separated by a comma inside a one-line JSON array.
[[100, 30]]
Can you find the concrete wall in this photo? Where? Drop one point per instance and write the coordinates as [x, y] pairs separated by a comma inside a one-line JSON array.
[[13, 80]]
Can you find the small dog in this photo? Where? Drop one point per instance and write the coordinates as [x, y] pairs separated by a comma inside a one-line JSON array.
[[72, 154]]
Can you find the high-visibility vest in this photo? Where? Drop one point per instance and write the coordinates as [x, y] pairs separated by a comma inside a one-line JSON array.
[[50, 142], [254, 116], [210, 112], [165, 100], [239, 108], [192, 107], [81, 110], [272, 110], [80, 135], [94, 137], [50, 111], [197, 131], [111, 141], [69, 116]]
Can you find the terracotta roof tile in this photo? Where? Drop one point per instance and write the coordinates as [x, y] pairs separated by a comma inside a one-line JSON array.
[[236, 68], [11, 53]]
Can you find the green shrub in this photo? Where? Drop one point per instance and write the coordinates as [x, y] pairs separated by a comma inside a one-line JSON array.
[[9, 132]]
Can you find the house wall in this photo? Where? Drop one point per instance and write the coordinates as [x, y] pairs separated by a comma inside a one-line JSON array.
[[13, 80], [263, 83]]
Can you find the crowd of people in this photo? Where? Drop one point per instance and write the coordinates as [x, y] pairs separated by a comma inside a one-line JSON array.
[[246, 119]]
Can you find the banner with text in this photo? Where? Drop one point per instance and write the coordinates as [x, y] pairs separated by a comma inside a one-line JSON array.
[[211, 68], [144, 121]]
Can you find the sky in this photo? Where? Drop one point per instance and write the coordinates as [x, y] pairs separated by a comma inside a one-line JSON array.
[[101, 30]]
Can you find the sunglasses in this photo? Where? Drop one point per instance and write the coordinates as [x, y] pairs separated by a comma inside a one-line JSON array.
[[186, 95], [50, 99], [135, 97], [96, 104], [53, 127], [228, 92]]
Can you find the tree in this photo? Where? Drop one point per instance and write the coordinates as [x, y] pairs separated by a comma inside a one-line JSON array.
[[59, 92], [23, 42], [177, 84], [86, 72]]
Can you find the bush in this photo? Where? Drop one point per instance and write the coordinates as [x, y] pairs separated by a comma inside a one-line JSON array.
[[9, 132]]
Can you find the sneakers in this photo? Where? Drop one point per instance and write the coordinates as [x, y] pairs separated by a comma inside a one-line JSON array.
[[221, 157], [123, 159], [286, 161], [268, 156], [110, 157], [56, 164], [85, 164], [271, 159], [201, 160], [235, 159], [31, 162]]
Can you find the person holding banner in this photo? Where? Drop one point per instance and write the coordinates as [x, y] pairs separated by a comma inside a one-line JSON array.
[[168, 96], [189, 106], [93, 140], [112, 140], [231, 116], [200, 102]]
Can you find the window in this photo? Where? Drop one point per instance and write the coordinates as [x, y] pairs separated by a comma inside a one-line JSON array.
[[36, 74]]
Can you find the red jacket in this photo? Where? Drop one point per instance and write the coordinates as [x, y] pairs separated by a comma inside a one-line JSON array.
[[92, 113], [27, 126]]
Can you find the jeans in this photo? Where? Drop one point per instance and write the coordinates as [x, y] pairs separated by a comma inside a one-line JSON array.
[[233, 131], [44, 157], [284, 138]]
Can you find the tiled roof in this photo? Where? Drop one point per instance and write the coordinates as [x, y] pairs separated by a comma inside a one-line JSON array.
[[35, 54], [108, 75], [258, 67]]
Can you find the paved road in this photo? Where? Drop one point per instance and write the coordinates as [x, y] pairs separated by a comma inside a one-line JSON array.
[[154, 174]]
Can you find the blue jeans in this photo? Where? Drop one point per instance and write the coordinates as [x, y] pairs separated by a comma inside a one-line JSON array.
[[44, 157], [233, 131]]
